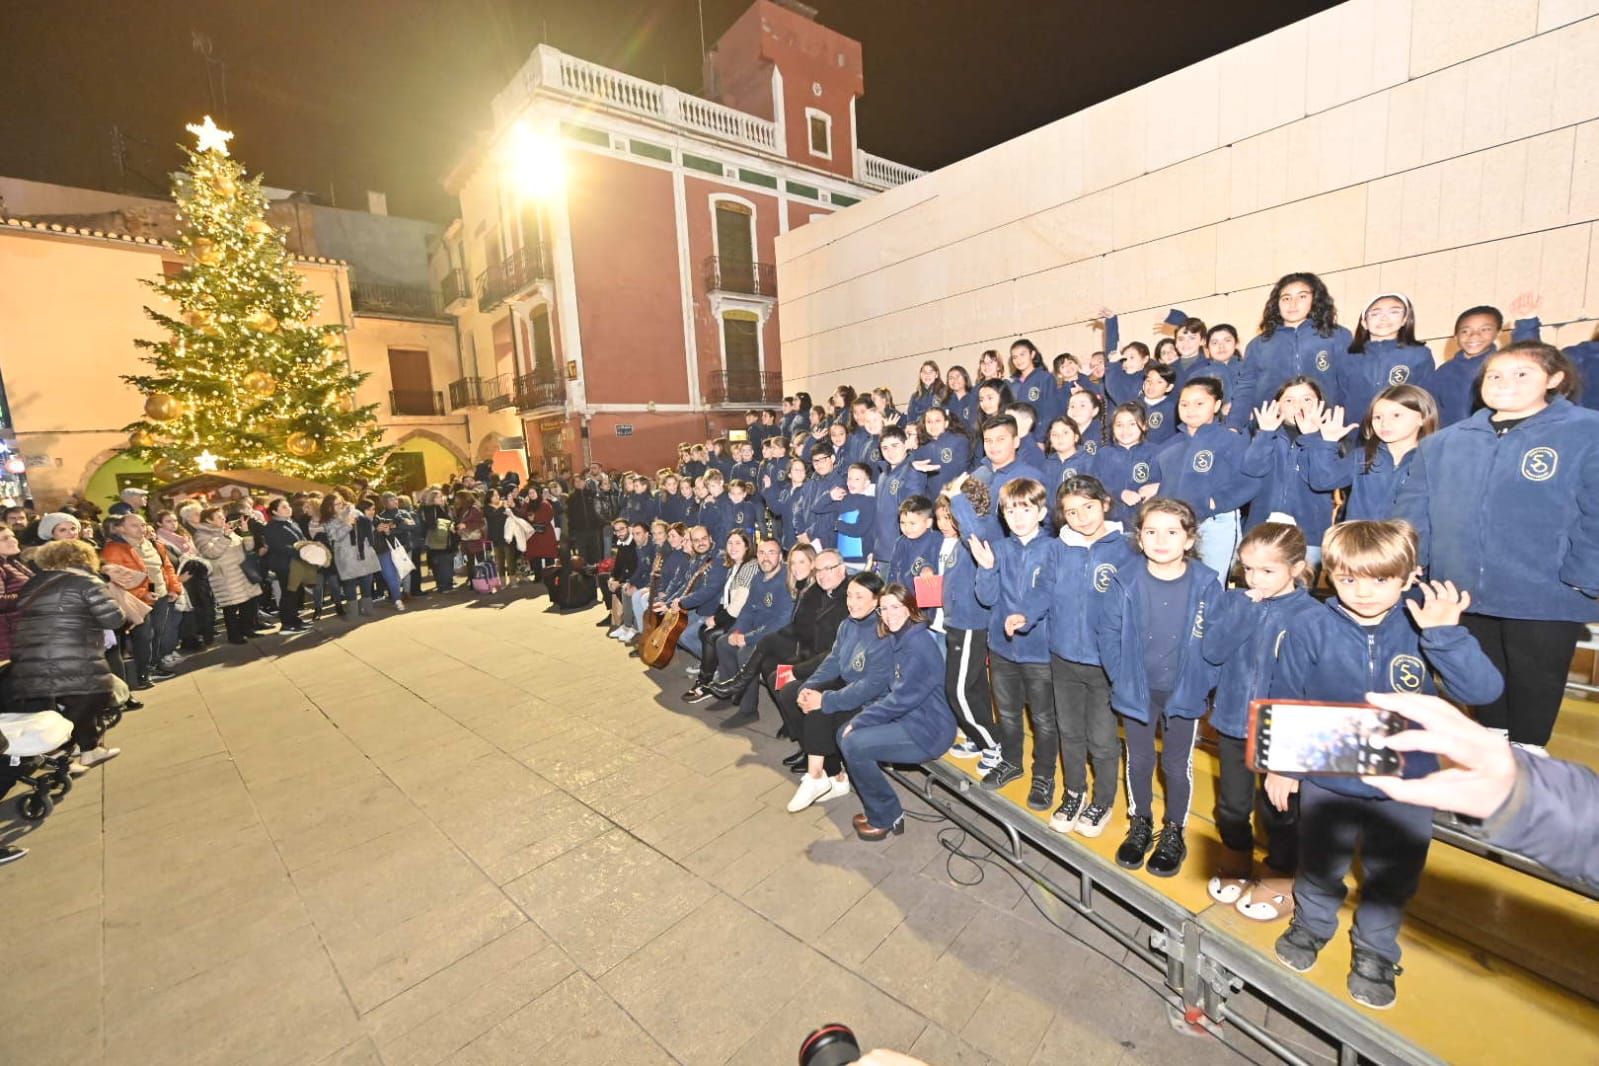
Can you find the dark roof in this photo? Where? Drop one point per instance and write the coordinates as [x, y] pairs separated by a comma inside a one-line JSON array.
[[266, 480]]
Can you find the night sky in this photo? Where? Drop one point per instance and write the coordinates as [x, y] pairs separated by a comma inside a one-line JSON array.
[[340, 96]]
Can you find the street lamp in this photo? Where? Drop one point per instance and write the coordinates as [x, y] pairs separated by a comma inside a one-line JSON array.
[[534, 162]]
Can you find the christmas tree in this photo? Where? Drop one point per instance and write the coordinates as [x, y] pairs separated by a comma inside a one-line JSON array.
[[243, 380]]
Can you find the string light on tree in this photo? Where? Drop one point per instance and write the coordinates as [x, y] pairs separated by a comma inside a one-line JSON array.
[[206, 462]]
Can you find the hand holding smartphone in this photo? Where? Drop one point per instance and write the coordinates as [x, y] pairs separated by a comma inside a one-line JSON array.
[[1315, 737]]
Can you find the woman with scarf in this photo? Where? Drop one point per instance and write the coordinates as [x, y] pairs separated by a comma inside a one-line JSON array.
[[355, 556]]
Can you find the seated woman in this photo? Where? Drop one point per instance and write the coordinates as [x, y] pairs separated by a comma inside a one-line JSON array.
[[715, 594], [801, 562], [855, 672], [911, 723], [58, 652]]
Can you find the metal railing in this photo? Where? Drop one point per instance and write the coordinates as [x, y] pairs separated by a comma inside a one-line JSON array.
[[471, 392], [883, 173], [498, 392], [511, 275], [744, 387], [539, 390], [454, 287], [396, 301], [732, 275], [415, 402]]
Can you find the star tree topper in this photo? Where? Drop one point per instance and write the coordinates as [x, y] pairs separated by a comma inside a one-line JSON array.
[[210, 136]]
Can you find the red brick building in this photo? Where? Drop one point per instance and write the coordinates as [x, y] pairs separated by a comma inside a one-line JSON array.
[[612, 268]]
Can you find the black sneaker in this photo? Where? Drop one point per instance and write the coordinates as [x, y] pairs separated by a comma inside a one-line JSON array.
[[11, 854], [1140, 834], [697, 695], [1001, 775], [1371, 979], [1298, 947], [1169, 853], [131, 704], [1041, 794], [161, 675]]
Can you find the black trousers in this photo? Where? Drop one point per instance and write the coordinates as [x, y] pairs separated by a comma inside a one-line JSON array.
[[1029, 685], [1176, 761], [1087, 728], [1240, 793], [1533, 657], [82, 709], [966, 685], [770, 651], [239, 619]]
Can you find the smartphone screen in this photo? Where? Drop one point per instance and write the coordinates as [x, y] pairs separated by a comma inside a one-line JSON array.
[[1323, 738]]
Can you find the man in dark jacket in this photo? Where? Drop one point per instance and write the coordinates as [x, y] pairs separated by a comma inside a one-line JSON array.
[[803, 643]]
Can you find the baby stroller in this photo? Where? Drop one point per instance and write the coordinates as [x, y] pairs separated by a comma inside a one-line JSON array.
[[36, 751]]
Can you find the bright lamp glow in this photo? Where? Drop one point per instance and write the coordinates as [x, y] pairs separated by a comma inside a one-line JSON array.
[[534, 162]]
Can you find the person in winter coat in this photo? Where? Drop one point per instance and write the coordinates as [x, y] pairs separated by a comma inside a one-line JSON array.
[[1383, 353], [386, 537], [401, 517], [438, 538], [471, 526], [910, 723], [283, 538], [1299, 335], [13, 575], [355, 556], [542, 547], [58, 651], [232, 589], [130, 547]]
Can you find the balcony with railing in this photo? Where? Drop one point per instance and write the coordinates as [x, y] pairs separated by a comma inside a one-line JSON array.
[[454, 291], [397, 301], [472, 392], [732, 275], [743, 388], [416, 402], [539, 391], [882, 173], [514, 274]]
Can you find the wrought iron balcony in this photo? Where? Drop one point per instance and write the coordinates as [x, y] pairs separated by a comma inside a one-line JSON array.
[[415, 402], [471, 392], [744, 388], [498, 392], [455, 292], [517, 272], [539, 390], [731, 275], [396, 301]]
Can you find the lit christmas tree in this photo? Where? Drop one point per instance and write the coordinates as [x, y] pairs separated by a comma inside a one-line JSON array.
[[243, 380]]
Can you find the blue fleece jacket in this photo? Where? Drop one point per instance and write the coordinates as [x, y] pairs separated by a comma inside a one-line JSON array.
[[962, 609], [1038, 388], [915, 696], [998, 479], [716, 515], [1329, 655], [1020, 582], [1515, 519], [1585, 357], [1161, 418], [1056, 470], [909, 557], [677, 508], [859, 658], [1082, 579], [792, 507], [674, 567], [1372, 490], [894, 486], [692, 468], [1241, 637], [1289, 352], [921, 403], [1226, 373], [855, 527], [1362, 375], [821, 510], [1277, 461], [963, 408], [640, 507], [1122, 470], [1120, 634], [745, 471], [1206, 470], [1122, 386], [741, 514], [640, 577], [861, 447], [702, 589], [769, 607], [952, 454]]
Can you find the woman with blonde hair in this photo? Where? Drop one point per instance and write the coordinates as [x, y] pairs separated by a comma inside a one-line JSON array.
[[231, 587]]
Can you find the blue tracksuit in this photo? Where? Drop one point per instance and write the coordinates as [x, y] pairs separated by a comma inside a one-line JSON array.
[[821, 510], [792, 507], [861, 447], [1161, 418], [1276, 458], [1057, 470], [1206, 470], [749, 471], [1241, 637], [1362, 375], [861, 659], [962, 608], [915, 696], [676, 508], [855, 527], [742, 514], [1289, 352], [769, 607], [1039, 389], [1122, 470], [1328, 655], [1082, 579], [1020, 582], [1372, 491], [963, 408], [908, 557], [1513, 518], [640, 507], [952, 453], [1120, 635], [921, 403], [894, 486], [716, 515]]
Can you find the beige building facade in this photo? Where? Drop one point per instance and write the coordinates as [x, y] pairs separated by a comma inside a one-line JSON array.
[[1447, 149]]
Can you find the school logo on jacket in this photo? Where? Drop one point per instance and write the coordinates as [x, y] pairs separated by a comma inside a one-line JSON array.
[[768, 599], [1198, 632], [1140, 473], [919, 564], [1102, 575], [1032, 394], [1091, 447], [1157, 419], [1406, 673], [1037, 573], [1323, 361], [946, 455], [893, 486], [1539, 464], [1202, 461], [1399, 375], [896, 673], [858, 663]]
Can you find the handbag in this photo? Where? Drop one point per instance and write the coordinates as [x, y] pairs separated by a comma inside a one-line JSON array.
[[929, 591], [485, 576], [251, 565], [438, 538], [134, 609], [403, 564]]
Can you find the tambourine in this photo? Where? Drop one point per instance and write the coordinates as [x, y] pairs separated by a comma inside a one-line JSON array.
[[316, 554]]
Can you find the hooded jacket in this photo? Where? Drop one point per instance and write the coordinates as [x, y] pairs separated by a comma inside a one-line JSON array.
[[1082, 579], [1242, 637], [1514, 519], [915, 697], [1328, 654], [859, 658], [59, 646], [1373, 491], [1120, 636]]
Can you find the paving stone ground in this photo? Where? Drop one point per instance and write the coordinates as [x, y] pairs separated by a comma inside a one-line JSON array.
[[481, 833]]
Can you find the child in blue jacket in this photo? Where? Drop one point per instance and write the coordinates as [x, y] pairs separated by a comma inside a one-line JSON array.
[[943, 455], [1453, 384], [1366, 643], [1066, 457], [1384, 352], [1241, 637], [1086, 409], [1277, 460], [1159, 403], [896, 482], [1126, 465], [1094, 551], [915, 550], [964, 621], [1151, 623], [1204, 467], [1299, 336], [855, 521], [1374, 467], [1506, 501]]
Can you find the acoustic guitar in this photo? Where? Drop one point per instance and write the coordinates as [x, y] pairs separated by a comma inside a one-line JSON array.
[[660, 644]]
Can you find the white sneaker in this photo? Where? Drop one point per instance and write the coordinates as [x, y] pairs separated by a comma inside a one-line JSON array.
[[399, 605], [840, 788], [627, 634], [810, 790], [170, 660], [616, 634], [99, 755], [76, 768]]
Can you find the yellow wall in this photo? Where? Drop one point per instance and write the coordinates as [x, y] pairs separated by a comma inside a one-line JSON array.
[[1448, 149]]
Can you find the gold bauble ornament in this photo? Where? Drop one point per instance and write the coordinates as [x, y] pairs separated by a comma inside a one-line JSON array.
[[142, 438], [347, 402], [167, 470], [261, 383], [162, 406], [330, 341], [261, 321], [198, 319], [301, 444], [224, 185], [205, 251], [257, 227]]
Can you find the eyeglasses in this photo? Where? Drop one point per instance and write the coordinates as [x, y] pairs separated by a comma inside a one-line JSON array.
[[834, 566]]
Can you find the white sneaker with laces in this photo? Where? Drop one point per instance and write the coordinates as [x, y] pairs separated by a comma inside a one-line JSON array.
[[840, 788], [810, 790], [76, 768], [99, 755], [966, 750]]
